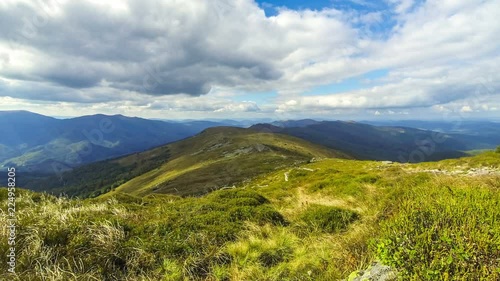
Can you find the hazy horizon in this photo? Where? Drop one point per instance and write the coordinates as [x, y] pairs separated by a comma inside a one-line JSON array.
[[268, 120]]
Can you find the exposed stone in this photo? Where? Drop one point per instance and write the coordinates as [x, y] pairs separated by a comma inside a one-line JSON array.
[[376, 272]]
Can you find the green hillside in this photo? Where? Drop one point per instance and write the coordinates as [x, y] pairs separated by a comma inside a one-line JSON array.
[[216, 158], [222, 157], [310, 221]]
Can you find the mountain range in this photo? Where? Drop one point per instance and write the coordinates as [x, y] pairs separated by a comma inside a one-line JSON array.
[[90, 155], [394, 143]]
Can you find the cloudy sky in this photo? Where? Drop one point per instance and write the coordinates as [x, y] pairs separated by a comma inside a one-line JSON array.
[[327, 59]]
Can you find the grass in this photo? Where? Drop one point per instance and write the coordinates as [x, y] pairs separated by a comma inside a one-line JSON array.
[[98, 178], [330, 218], [129, 237], [447, 229], [327, 219]]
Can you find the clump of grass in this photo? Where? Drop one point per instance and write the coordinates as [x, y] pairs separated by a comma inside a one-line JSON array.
[[262, 252], [327, 219], [344, 184]]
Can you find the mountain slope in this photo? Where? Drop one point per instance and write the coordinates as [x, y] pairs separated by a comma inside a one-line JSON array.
[[429, 221], [37, 143], [216, 158], [221, 157], [400, 144]]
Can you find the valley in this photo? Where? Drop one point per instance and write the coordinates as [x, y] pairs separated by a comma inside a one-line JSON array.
[[42, 145]]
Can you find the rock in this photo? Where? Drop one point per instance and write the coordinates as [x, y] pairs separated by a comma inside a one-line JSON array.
[[376, 272]]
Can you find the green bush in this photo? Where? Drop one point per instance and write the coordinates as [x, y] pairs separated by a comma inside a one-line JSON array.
[[241, 194], [327, 219], [498, 149]]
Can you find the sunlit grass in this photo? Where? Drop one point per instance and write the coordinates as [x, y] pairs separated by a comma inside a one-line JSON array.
[[330, 218]]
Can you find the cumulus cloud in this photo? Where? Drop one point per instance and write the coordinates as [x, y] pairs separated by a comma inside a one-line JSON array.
[[438, 54], [170, 55], [152, 47]]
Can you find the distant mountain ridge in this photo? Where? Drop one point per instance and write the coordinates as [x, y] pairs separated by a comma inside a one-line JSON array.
[[40, 144], [482, 129], [37, 143], [402, 144]]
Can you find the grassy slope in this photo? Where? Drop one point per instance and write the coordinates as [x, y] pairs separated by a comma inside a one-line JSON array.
[[222, 157], [330, 218], [215, 158]]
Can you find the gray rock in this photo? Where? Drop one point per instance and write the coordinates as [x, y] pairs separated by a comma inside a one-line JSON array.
[[376, 272]]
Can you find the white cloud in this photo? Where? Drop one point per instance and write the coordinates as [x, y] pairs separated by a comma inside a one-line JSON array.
[[435, 58], [402, 6], [142, 54]]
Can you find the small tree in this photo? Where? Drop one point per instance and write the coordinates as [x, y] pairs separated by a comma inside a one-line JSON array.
[[498, 149]]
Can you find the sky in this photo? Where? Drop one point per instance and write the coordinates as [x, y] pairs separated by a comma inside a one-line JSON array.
[[180, 59]]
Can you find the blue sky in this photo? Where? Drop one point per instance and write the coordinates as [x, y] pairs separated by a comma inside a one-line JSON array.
[[271, 6], [169, 59], [359, 82]]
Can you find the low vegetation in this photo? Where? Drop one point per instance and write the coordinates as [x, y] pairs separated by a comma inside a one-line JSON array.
[[444, 230], [328, 219]]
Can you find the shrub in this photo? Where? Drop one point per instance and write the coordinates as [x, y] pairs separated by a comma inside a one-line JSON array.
[[238, 194]]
